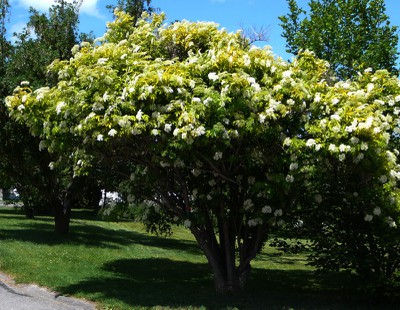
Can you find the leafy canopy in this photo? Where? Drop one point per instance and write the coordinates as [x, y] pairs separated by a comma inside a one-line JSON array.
[[351, 34], [202, 130]]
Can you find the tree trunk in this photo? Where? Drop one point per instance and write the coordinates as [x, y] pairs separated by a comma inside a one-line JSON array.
[[62, 216], [227, 277]]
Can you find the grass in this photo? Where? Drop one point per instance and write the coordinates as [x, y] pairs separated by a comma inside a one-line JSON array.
[[119, 266]]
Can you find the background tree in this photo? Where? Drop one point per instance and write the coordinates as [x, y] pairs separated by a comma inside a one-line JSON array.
[[25, 164], [5, 46], [135, 8], [201, 130], [351, 34]]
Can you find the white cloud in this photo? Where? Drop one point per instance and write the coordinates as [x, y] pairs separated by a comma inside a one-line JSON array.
[[88, 7]]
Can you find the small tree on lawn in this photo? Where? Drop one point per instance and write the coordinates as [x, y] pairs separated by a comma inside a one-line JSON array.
[[193, 123]]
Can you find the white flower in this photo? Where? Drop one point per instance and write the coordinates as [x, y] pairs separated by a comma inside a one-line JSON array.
[[21, 107], [97, 106], [251, 80], [212, 182], [251, 180], [187, 223], [40, 96], [287, 74], [293, 166], [278, 212], [106, 96], [383, 178], [42, 145], [335, 101], [199, 131], [100, 138], [167, 127], [364, 146], [194, 193], [252, 222], [255, 222], [332, 148], [289, 178], [359, 158], [217, 155], [290, 101], [102, 61], [59, 107], [266, 209], [318, 198], [370, 87], [368, 217], [196, 100], [25, 83], [310, 142], [176, 132], [164, 164], [51, 165], [261, 118], [196, 172], [213, 76], [299, 224], [207, 101], [154, 132], [139, 115], [335, 117], [112, 132], [391, 222], [247, 204], [287, 142], [131, 198], [377, 211], [342, 157], [247, 60], [124, 122], [354, 140]]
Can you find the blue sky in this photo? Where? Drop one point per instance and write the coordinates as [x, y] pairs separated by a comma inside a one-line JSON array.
[[231, 14]]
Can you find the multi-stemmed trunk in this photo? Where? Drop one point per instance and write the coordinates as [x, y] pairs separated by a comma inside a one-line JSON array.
[[232, 246]]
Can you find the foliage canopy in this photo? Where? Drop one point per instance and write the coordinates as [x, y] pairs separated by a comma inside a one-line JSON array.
[[226, 139], [351, 34]]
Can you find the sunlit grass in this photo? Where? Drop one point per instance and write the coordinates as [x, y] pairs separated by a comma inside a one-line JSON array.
[[119, 266]]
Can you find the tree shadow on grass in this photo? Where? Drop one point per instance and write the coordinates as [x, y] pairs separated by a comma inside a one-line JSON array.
[[41, 231], [135, 283]]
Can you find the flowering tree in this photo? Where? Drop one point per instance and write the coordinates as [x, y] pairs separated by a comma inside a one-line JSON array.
[[197, 127], [349, 168]]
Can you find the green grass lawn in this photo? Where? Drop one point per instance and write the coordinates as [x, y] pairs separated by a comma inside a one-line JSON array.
[[119, 266]]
